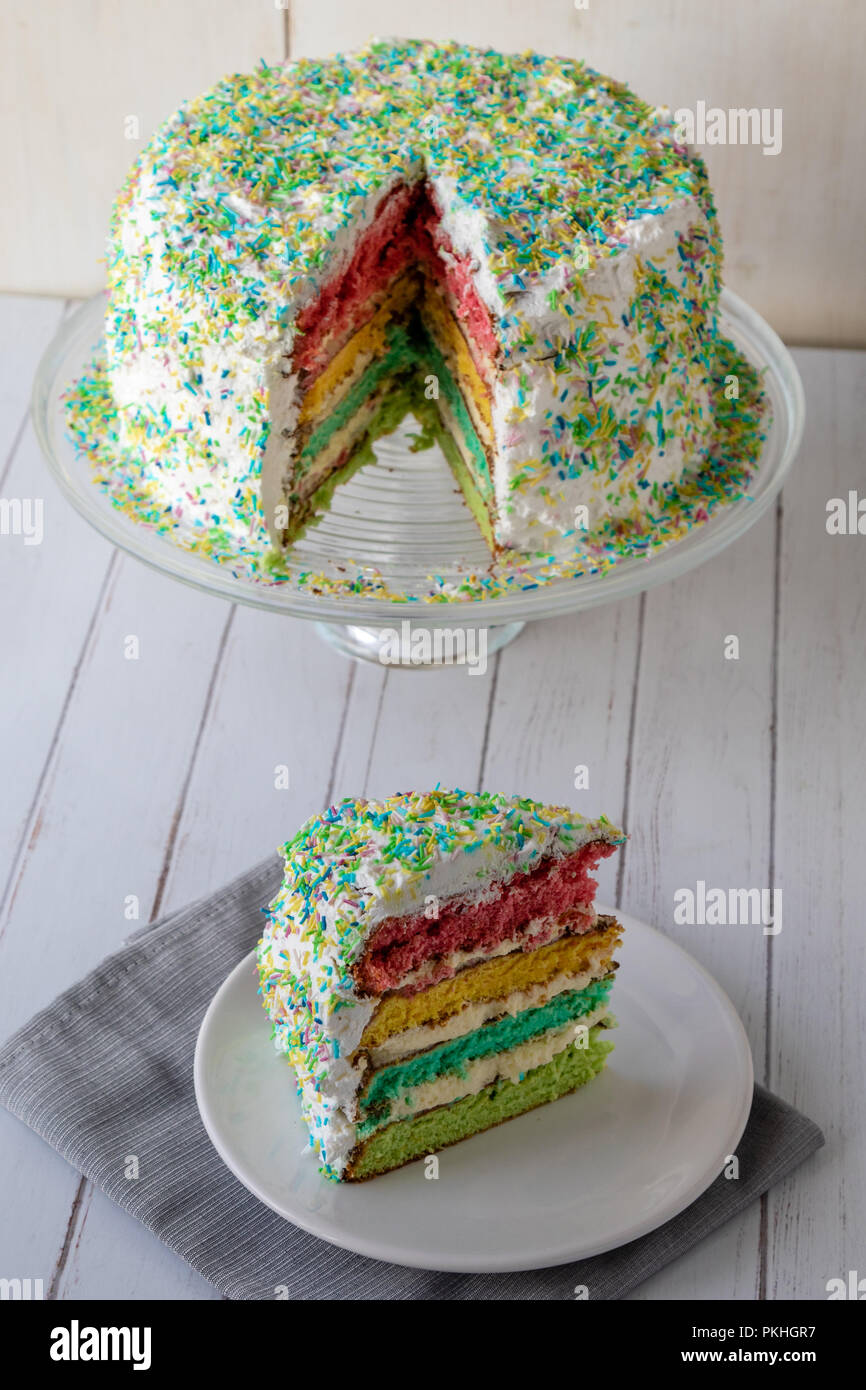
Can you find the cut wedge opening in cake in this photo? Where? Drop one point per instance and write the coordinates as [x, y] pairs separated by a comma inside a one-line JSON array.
[[398, 329], [433, 965]]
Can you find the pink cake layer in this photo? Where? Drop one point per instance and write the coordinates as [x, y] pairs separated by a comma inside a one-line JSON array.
[[468, 305], [405, 231], [550, 892]]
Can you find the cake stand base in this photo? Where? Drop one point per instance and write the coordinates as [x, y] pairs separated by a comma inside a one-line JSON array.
[[410, 648]]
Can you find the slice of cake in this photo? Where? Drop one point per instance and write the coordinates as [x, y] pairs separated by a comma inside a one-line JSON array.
[[432, 965], [513, 247]]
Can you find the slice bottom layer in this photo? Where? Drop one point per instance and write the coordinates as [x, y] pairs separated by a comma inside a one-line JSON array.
[[406, 1140]]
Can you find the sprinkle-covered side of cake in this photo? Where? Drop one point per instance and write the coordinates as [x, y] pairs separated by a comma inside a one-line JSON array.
[[432, 965], [513, 246]]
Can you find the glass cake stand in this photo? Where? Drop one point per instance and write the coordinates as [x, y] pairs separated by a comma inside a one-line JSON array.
[[402, 520]]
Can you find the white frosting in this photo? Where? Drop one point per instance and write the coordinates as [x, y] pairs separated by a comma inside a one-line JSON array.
[[475, 877], [528, 393]]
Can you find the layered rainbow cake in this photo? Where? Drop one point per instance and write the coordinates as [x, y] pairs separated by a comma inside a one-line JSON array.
[[514, 248], [432, 965]]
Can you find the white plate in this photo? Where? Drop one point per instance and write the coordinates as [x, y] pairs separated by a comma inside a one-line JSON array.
[[585, 1174]]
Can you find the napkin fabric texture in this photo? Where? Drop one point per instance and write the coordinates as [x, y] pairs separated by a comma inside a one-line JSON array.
[[107, 1070]]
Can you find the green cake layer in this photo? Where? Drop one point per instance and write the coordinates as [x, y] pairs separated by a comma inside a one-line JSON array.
[[406, 1140], [455, 1056]]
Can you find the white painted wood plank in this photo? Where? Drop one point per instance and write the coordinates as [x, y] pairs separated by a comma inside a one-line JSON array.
[[103, 820], [786, 218], [99, 828], [113, 1256], [817, 1220], [45, 620], [26, 327], [278, 704], [42, 620], [429, 728], [39, 1190], [699, 808], [408, 730], [365, 697], [563, 700], [278, 700], [71, 76]]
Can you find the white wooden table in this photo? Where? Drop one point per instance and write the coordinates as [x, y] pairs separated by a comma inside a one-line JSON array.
[[155, 778]]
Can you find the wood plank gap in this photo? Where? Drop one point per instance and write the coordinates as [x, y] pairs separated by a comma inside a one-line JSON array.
[[774, 755], [338, 745], [63, 1255], [632, 724], [19, 433], [32, 820], [14, 446], [491, 701], [374, 731], [763, 1228], [171, 842]]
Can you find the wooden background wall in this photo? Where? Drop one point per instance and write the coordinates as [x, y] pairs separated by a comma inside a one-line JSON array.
[[73, 71]]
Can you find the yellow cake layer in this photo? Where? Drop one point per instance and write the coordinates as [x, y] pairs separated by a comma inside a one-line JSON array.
[[446, 332], [490, 979], [368, 343]]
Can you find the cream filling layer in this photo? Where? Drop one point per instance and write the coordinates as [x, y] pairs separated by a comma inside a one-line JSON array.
[[508, 1066], [538, 933], [473, 1015]]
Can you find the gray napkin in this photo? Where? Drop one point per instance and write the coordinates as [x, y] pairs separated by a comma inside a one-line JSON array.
[[121, 1082]]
